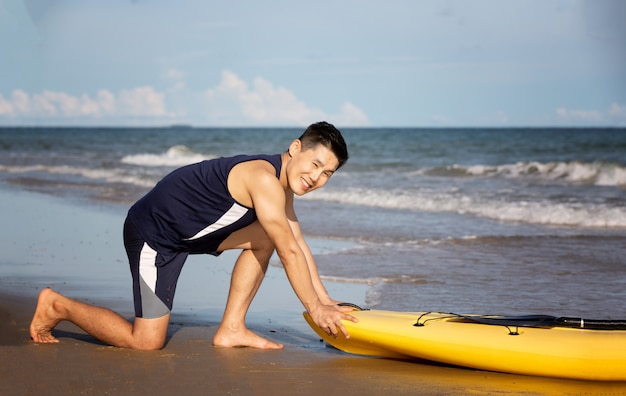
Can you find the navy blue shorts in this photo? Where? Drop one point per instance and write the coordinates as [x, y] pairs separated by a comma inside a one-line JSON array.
[[154, 275]]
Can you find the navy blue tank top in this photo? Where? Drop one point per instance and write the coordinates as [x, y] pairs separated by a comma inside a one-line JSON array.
[[191, 209]]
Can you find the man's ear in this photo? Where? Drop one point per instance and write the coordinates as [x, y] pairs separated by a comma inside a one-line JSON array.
[[295, 147]]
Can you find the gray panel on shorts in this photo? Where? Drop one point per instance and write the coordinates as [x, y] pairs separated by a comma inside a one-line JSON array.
[[151, 306]]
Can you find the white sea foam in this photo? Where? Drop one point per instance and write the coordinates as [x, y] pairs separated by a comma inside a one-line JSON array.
[[360, 281], [108, 175], [175, 156], [595, 173], [543, 212]]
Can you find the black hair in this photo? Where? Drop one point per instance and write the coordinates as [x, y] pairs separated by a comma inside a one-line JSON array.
[[327, 135]]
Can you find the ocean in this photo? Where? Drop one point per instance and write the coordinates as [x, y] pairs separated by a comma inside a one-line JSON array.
[[486, 221]]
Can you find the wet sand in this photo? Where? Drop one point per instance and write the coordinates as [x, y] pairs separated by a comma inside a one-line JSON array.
[[190, 365]]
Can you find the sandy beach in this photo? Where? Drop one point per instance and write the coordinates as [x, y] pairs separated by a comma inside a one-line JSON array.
[[48, 241], [190, 365]]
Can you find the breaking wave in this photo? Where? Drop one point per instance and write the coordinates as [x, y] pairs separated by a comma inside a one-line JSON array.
[[108, 175], [594, 173], [544, 212], [175, 156]]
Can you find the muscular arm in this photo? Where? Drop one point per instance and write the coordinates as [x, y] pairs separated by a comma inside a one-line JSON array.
[[260, 186], [269, 202], [315, 277]]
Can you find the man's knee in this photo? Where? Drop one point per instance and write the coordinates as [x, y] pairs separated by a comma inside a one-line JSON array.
[[264, 246], [150, 334]]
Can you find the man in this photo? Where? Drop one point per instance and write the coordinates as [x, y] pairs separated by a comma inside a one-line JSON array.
[[242, 202]]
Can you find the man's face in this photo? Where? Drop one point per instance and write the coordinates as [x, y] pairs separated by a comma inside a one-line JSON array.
[[310, 169]]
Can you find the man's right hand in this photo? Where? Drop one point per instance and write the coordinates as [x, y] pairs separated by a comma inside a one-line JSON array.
[[329, 317]]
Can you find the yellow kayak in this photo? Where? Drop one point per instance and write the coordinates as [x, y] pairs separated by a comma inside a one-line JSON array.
[[531, 345]]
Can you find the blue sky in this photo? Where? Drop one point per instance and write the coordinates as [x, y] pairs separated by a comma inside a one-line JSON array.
[[376, 63]]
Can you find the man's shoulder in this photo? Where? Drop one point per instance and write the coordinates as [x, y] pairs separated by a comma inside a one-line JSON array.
[[256, 172], [254, 178], [259, 163]]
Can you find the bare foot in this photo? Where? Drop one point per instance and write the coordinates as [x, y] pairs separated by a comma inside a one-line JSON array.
[[45, 318], [226, 337]]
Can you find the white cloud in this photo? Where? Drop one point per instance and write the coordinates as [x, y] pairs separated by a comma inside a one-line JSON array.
[[107, 101], [615, 115], [350, 115], [140, 101], [6, 107], [233, 101], [617, 111], [20, 101]]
